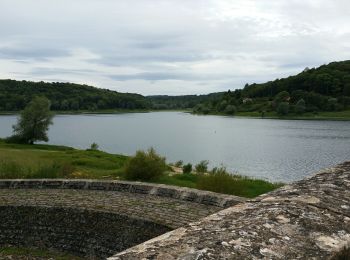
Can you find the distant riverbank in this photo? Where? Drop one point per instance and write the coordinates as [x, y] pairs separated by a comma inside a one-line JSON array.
[[326, 116]]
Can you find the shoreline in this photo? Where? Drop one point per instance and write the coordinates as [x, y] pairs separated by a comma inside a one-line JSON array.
[[238, 115]]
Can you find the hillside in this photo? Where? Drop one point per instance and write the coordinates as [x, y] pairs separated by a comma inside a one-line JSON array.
[[326, 88], [14, 95]]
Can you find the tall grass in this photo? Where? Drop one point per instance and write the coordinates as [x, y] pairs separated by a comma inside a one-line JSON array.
[[14, 170], [219, 180]]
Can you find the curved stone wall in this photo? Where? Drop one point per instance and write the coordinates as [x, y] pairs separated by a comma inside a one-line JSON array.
[[86, 233], [309, 219], [97, 218]]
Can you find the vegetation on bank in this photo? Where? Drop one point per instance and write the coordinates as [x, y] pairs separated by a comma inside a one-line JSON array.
[[28, 253], [313, 91], [15, 95], [49, 161]]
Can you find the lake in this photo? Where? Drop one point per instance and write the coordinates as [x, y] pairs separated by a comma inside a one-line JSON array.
[[276, 150]]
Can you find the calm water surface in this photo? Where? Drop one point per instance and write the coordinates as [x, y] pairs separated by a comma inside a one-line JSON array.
[[277, 150]]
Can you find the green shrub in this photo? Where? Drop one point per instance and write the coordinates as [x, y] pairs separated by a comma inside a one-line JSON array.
[[94, 146], [219, 180], [187, 168], [179, 163], [230, 110], [300, 106], [202, 166], [145, 166], [283, 108]]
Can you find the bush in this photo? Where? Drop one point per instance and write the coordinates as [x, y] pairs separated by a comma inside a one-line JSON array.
[[179, 163], [230, 110], [300, 106], [94, 146], [283, 108], [219, 180], [187, 168], [145, 166], [202, 166]]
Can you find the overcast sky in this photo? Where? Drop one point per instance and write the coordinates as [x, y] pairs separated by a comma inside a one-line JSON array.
[[169, 46]]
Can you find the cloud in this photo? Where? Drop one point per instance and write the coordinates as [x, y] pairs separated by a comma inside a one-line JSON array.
[[170, 46]]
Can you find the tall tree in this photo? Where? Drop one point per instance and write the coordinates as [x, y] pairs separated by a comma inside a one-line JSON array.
[[34, 121]]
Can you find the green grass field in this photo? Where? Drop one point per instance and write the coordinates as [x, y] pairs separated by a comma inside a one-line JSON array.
[[48, 161]]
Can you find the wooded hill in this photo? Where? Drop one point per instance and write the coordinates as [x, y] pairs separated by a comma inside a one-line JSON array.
[[326, 88], [14, 95]]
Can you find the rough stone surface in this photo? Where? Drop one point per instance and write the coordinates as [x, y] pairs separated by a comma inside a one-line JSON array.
[[160, 190], [86, 233], [97, 218], [165, 211], [309, 219]]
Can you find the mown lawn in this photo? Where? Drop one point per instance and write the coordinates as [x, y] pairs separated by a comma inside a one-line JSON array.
[[48, 161]]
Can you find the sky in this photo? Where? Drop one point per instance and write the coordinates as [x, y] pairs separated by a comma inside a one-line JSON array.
[[169, 47]]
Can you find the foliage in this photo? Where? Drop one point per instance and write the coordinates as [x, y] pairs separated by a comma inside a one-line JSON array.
[[94, 146], [187, 168], [300, 107], [15, 95], [179, 163], [145, 166], [219, 180], [230, 110], [202, 166], [318, 87], [34, 121], [49, 161], [283, 108]]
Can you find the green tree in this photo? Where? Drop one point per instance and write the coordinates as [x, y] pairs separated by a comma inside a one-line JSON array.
[[202, 166], [230, 110], [283, 108], [34, 121], [187, 168], [300, 106]]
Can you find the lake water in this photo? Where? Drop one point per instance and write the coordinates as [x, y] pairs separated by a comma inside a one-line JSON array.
[[277, 150]]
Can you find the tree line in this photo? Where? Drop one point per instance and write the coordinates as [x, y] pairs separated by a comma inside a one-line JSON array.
[[326, 88], [15, 95]]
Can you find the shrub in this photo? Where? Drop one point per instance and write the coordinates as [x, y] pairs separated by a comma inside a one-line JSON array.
[[94, 146], [219, 180], [230, 110], [145, 166], [179, 163], [202, 166], [283, 108], [300, 106], [187, 168]]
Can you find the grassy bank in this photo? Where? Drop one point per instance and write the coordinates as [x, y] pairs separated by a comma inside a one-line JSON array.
[[49, 161]]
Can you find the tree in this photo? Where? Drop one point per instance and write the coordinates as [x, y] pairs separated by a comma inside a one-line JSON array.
[[202, 166], [34, 121], [300, 106], [283, 108], [187, 168], [230, 110]]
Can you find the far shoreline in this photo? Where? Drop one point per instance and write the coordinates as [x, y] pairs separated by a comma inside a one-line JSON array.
[[321, 116]]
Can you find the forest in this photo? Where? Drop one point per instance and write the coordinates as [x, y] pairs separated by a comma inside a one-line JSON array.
[[326, 88], [15, 95]]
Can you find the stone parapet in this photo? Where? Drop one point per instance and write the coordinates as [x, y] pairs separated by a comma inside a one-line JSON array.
[[309, 219]]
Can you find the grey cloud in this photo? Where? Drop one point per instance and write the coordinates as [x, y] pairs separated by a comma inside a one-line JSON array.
[[31, 53]]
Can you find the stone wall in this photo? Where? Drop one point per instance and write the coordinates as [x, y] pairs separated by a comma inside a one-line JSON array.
[[97, 218], [179, 193], [309, 219], [90, 234]]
